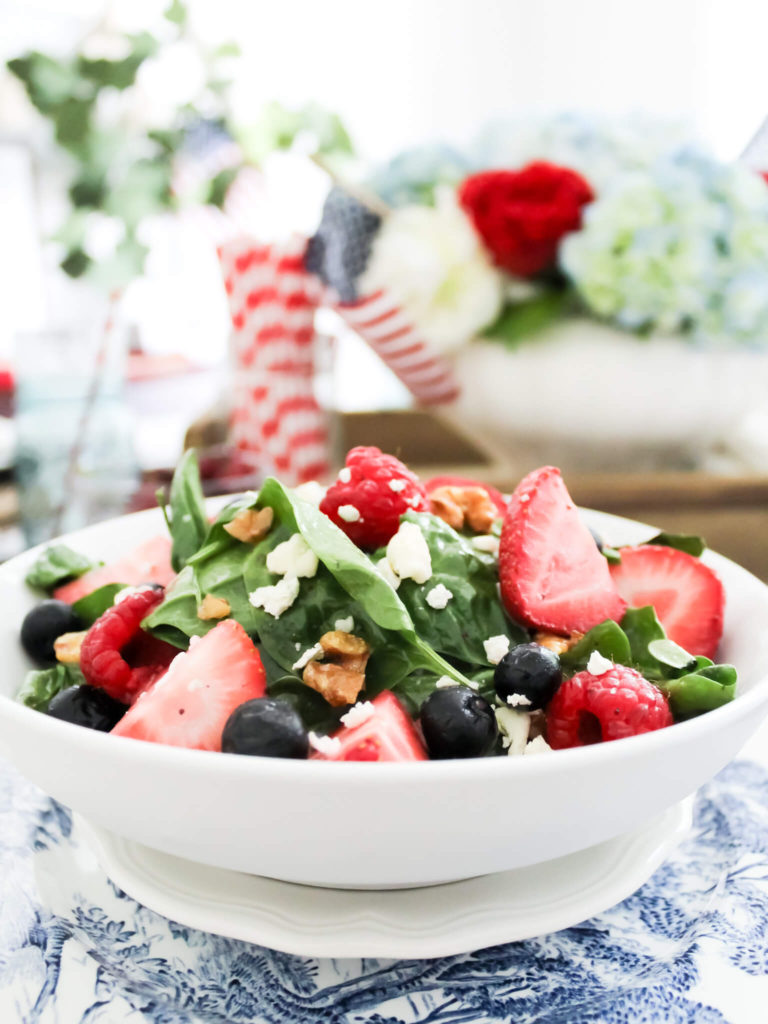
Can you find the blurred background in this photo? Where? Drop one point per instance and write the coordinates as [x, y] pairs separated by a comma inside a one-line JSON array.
[[481, 234]]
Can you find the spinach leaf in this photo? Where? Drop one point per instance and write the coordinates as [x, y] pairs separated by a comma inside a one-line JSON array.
[[40, 686], [688, 542], [57, 564], [642, 627], [93, 605], [706, 688], [188, 523], [669, 653], [474, 613], [607, 638]]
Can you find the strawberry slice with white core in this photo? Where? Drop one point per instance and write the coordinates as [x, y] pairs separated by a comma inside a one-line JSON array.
[[387, 734], [150, 562], [551, 573], [687, 595], [190, 704]]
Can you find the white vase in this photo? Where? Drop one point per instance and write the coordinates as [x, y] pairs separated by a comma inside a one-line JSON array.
[[602, 395]]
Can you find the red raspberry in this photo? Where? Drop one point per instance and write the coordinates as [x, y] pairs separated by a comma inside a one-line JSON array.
[[365, 487], [117, 656], [620, 702]]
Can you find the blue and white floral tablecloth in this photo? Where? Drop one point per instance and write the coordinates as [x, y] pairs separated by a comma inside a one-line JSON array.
[[691, 946]]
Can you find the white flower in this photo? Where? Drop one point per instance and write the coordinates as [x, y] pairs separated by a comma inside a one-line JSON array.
[[431, 260]]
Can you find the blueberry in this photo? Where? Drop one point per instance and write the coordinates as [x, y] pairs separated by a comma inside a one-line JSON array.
[[530, 671], [267, 727], [457, 722], [88, 706], [43, 624]]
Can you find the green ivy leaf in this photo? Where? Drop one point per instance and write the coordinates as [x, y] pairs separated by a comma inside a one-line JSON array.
[[176, 12], [219, 186], [76, 263], [72, 121]]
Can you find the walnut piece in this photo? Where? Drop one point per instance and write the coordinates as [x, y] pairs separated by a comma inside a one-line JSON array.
[[460, 506], [337, 683], [337, 642], [67, 647], [553, 642], [251, 524], [213, 607]]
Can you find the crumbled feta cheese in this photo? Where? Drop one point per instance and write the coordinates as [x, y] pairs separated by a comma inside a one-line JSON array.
[[348, 513], [397, 485], [408, 554], [439, 596], [445, 681], [514, 727], [518, 700], [358, 714], [297, 645], [310, 491], [413, 501], [495, 648], [524, 498], [344, 625], [277, 599], [345, 475], [294, 557], [327, 745], [194, 641], [538, 745], [384, 570], [315, 653], [598, 665], [486, 542]]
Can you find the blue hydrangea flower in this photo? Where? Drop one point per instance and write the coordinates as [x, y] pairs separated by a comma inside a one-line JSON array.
[[411, 177]]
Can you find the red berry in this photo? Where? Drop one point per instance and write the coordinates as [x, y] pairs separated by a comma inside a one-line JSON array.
[[551, 573], [115, 656], [687, 595], [387, 735], [150, 562], [372, 492], [589, 708]]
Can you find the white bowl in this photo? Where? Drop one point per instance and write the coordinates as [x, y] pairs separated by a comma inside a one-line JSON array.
[[366, 824]]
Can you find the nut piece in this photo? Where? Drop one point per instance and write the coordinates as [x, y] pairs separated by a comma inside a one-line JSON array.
[[67, 647], [553, 642], [213, 607], [337, 642], [251, 524], [458, 506], [338, 684]]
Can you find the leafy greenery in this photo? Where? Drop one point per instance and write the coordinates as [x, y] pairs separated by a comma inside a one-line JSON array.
[[520, 320], [188, 524], [608, 639], [56, 565], [688, 542], [41, 685], [93, 605]]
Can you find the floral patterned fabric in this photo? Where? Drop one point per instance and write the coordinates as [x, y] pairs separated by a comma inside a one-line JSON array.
[[690, 946]]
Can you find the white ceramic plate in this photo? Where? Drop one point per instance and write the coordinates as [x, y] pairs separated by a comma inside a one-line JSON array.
[[402, 923]]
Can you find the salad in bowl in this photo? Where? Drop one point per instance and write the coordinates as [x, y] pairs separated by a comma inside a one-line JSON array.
[[380, 619]]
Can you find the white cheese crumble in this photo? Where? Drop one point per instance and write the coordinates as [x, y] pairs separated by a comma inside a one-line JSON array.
[[384, 570], [518, 700], [329, 746], [311, 491], [397, 485], [278, 598], [439, 596], [344, 625], [408, 554], [598, 665], [495, 648], [537, 746], [345, 475], [514, 727], [486, 542], [293, 557], [524, 498], [315, 653], [358, 714], [444, 682], [349, 513]]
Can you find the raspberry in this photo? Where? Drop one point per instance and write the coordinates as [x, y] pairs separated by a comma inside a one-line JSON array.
[[363, 502], [115, 651], [620, 702]]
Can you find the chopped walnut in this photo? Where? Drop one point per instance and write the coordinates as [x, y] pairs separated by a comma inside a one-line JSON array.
[[67, 647], [460, 506], [553, 642], [251, 524], [338, 642], [337, 683], [213, 607]]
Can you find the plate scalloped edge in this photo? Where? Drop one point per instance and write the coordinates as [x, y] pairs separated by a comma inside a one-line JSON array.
[[427, 922]]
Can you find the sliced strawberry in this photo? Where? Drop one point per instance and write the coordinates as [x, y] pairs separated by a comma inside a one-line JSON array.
[[190, 704], [551, 573], [388, 735], [688, 596], [150, 562], [464, 481]]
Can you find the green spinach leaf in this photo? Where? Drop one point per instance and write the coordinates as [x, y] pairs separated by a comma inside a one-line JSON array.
[[607, 638], [188, 523], [40, 686], [642, 627], [93, 605], [705, 689], [56, 565], [688, 542]]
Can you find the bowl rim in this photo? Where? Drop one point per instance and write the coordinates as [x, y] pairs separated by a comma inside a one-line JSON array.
[[371, 773]]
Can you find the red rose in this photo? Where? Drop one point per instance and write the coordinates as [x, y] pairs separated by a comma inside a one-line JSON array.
[[522, 215]]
